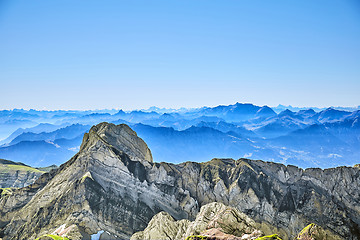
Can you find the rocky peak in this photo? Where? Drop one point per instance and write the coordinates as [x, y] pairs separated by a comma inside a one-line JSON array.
[[119, 137]]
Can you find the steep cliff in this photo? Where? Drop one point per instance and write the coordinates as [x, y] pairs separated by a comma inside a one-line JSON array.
[[13, 174], [112, 185]]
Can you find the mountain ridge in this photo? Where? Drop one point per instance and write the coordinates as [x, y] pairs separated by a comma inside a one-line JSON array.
[[260, 125], [108, 186]]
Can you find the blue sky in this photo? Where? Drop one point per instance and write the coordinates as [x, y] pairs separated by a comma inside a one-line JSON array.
[[135, 54]]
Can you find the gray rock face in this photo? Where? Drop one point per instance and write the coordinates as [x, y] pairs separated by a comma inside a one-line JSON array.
[[16, 175], [122, 138], [112, 185]]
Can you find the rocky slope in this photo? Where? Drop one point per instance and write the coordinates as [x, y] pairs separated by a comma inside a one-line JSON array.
[[215, 221], [13, 174], [111, 186]]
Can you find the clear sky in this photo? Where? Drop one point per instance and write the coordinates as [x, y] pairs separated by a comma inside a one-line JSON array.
[[66, 54]]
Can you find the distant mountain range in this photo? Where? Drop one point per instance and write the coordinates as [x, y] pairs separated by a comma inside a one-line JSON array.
[[304, 137]]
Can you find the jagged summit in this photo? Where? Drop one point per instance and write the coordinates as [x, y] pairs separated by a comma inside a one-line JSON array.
[[121, 137]]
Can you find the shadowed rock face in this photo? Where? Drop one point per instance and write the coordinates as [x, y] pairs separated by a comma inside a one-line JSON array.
[[111, 184]]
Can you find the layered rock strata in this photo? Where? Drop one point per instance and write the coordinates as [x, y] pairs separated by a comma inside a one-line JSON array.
[[112, 185], [16, 175]]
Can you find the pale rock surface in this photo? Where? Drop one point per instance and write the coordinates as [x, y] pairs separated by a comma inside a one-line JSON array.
[[163, 226], [214, 220]]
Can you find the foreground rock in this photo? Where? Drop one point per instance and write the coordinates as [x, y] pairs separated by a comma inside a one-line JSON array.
[[315, 232], [111, 187], [214, 220]]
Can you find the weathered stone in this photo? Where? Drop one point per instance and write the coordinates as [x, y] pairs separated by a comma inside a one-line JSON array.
[[215, 221], [163, 226], [315, 232]]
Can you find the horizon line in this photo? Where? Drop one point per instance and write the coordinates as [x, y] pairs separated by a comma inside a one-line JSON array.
[[176, 109]]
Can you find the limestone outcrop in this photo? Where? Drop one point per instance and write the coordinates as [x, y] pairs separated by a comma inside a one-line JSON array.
[[215, 220]]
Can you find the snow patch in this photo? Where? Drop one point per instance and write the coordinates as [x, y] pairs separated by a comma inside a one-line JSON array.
[[97, 235]]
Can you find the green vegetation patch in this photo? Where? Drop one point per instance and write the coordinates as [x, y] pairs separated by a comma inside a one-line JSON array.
[[269, 237], [6, 191], [4, 161], [86, 175], [306, 229], [55, 237], [5, 168]]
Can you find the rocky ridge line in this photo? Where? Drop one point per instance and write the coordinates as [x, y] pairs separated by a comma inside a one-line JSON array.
[[108, 186]]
